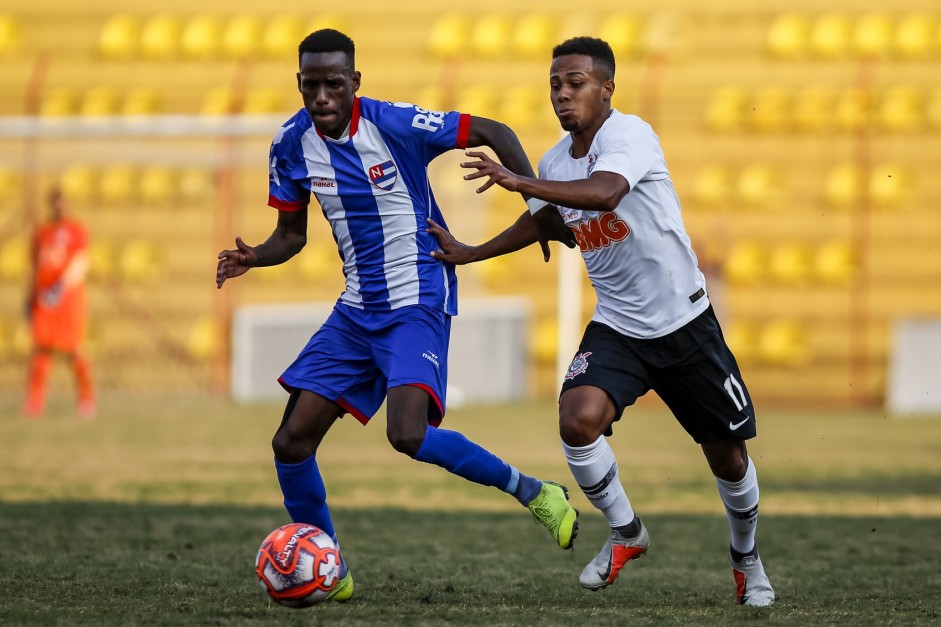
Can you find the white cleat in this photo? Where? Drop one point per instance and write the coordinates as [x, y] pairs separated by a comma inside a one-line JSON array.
[[751, 583], [616, 552]]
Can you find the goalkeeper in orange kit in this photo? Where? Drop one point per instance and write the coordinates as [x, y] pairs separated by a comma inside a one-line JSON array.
[[56, 306]]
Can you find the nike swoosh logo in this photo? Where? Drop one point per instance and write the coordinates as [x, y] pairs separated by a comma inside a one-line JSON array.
[[735, 426]]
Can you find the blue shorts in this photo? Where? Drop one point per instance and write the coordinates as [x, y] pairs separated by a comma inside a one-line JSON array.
[[356, 356]]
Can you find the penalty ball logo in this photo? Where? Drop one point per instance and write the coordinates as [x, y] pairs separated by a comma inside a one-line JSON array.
[[286, 557], [578, 365]]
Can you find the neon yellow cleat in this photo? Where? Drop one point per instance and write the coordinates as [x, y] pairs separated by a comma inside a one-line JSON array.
[[343, 591], [551, 509]]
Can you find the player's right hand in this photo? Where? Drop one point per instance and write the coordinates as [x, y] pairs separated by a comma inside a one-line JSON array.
[[552, 228], [233, 263], [452, 251]]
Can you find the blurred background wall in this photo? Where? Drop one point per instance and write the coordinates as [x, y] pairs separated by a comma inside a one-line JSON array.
[[804, 139]]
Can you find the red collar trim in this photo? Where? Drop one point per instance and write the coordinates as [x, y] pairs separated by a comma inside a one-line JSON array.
[[354, 120]]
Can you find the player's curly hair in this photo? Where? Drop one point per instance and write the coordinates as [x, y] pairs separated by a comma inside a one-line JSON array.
[[598, 49], [328, 40]]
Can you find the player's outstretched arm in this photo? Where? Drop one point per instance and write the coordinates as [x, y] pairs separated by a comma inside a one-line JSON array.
[[506, 145], [521, 234], [602, 191], [287, 239]]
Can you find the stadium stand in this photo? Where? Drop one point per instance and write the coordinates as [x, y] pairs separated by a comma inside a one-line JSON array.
[[802, 140]]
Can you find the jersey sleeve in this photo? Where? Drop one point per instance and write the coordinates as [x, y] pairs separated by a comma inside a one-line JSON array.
[[629, 147], [286, 172], [431, 132]]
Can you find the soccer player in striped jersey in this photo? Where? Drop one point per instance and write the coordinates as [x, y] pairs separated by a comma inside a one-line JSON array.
[[653, 326], [366, 162]]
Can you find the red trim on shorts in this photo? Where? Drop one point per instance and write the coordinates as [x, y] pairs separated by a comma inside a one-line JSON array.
[[463, 131], [363, 418], [285, 205], [434, 422]]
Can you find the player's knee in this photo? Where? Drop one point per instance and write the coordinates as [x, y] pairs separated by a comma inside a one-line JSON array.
[[288, 449], [580, 426], [727, 460], [405, 442]]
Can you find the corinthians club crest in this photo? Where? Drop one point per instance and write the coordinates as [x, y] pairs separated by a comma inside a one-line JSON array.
[[578, 365]]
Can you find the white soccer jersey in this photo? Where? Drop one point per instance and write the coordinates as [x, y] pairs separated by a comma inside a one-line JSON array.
[[640, 262]]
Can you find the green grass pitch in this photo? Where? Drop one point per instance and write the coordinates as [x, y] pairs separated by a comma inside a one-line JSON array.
[[152, 514]]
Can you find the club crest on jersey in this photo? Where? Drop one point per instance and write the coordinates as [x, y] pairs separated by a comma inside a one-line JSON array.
[[383, 175], [578, 365], [592, 161]]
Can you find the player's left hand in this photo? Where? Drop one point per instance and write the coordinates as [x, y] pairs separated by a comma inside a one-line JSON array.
[[552, 228], [495, 172], [452, 251]]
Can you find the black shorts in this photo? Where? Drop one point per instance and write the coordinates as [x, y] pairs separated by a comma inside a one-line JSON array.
[[691, 369]]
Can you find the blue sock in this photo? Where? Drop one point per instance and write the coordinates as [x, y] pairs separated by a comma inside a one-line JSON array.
[[458, 455], [305, 496]]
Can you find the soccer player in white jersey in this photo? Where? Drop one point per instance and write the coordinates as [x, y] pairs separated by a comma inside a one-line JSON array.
[[653, 326], [365, 161]]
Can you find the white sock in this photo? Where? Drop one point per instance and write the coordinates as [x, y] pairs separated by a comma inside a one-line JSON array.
[[741, 508], [596, 471]]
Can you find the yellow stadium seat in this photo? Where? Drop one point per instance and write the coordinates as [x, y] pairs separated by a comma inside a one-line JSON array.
[[430, 97], [117, 184], [140, 101], [830, 35], [202, 341], [789, 264], [742, 339], [834, 263], [712, 186], [326, 20], [901, 110], [490, 35], [872, 35], [160, 37], [622, 32], [202, 37], [449, 35], [758, 185], [534, 36], [137, 261], [22, 342], [788, 35], [545, 340], [100, 260], [9, 184], [78, 182], [264, 100], [519, 106], [241, 37], [9, 35], [99, 101], [769, 109], [916, 36], [281, 37], [853, 109], [933, 109], [119, 37], [317, 262], [14, 258], [813, 110], [745, 264], [725, 110], [196, 184], [842, 185], [784, 343], [478, 100], [58, 102], [157, 184], [219, 101], [890, 185]]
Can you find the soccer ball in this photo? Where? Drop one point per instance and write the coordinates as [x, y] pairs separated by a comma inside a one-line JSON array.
[[298, 565]]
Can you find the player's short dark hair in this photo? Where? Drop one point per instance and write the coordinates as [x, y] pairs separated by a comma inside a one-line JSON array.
[[328, 40], [598, 49]]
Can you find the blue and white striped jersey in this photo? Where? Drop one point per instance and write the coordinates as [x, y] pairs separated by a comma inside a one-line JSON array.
[[372, 185]]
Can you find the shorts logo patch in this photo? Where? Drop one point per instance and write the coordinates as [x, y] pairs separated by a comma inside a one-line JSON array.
[[578, 366]]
